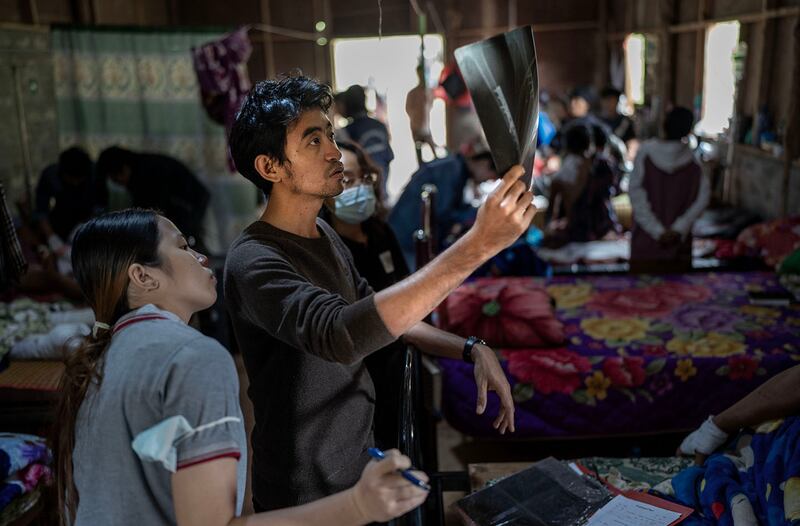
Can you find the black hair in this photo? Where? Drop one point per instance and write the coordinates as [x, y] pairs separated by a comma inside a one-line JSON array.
[[354, 100], [599, 137], [578, 139], [112, 160], [103, 249], [368, 166], [486, 156], [584, 92], [610, 91], [678, 123], [75, 162], [266, 115]]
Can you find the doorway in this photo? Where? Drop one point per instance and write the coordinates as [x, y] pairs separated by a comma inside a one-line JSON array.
[[386, 67]]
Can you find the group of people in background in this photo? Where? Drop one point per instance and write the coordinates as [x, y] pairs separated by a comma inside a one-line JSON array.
[[588, 153], [75, 189], [594, 156]]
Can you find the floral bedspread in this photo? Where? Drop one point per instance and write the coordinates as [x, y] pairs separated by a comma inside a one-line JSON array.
[[644, 354]]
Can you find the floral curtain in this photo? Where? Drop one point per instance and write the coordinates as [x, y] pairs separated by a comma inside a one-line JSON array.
[[136, 89]]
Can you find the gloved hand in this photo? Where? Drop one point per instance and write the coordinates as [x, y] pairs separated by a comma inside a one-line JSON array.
[[704, 440]]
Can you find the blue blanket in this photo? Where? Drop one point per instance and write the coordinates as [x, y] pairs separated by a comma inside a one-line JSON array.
[[24, 461], [757, 478]]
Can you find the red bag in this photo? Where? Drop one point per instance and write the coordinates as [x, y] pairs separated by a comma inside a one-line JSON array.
[[506, 312]]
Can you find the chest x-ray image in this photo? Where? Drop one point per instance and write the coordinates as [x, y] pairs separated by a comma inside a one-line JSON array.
[[502, 78]]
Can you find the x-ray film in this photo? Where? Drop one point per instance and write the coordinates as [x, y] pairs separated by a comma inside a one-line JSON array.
[[502, 78]]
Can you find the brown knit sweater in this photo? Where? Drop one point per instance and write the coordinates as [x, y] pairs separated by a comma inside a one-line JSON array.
[[303, 319]]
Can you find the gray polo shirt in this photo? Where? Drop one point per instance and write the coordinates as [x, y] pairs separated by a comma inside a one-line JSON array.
[[154, 369]]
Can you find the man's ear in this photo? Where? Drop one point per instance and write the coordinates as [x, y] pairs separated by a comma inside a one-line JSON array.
[[141, 278], [268, 168]]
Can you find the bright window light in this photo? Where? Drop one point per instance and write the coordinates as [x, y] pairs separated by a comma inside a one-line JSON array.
[[719, 79], [364, 61], [634, 68]]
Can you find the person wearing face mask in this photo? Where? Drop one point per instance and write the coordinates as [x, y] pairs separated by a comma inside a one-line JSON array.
[[149, 407], [357, 215]]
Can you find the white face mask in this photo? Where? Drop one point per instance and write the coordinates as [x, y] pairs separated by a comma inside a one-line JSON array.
[[355, 205], [157, 443]]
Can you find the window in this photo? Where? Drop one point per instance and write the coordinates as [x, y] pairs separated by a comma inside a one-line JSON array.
[[719, 79], [635, 45]]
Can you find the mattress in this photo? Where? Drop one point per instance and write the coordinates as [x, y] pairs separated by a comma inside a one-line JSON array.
[[644, 355]]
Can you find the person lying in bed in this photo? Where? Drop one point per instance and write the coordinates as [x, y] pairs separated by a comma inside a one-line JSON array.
[[149, 425], [748, 459]]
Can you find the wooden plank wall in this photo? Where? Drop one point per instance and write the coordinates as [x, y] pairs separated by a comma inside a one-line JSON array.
[[570, 33], [574, 37]]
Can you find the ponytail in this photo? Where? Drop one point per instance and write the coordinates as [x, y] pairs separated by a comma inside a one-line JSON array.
[[102, 251]]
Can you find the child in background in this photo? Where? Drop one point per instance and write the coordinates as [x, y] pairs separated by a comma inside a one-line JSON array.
[[668, 193]]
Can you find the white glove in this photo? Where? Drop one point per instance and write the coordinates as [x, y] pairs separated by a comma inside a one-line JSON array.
[[705, 439]]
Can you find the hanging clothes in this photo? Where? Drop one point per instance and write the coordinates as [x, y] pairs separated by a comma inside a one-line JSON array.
[[221, 68], [12, 262]]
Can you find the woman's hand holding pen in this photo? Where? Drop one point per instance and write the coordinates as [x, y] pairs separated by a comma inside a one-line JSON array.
[[382, 493]]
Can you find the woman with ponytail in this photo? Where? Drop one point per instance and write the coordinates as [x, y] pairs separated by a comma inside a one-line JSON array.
[[149, 428]]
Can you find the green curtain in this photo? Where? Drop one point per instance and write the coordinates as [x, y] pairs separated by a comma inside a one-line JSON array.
[[135, 89]]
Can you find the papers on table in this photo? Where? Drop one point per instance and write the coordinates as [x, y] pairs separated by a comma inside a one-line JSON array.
[[622, 511]]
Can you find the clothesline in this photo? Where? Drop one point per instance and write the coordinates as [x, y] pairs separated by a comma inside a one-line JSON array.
[[305, 35], [292, 33]]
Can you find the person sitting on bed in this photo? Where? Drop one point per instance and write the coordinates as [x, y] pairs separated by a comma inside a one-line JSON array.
[[165, 399], [567, 185], [454, 176], [581, 191], [668, 192], [748, 458]]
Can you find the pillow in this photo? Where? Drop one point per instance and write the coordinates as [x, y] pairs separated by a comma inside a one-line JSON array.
[[506, 312], [772, 241], [791, 264]]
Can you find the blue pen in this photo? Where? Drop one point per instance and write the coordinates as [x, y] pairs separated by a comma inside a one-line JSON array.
[[377, 454]]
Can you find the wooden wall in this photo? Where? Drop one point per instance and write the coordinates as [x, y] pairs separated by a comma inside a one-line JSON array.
[[574, 38], [567, 36], [680, 26]]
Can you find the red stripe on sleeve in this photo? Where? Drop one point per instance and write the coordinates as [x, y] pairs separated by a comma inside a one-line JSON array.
[[208, 458]]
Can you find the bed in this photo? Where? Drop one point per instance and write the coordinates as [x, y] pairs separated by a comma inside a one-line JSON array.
[[642, 355]]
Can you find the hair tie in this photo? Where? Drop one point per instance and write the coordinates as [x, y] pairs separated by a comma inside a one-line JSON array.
[[97, 326]]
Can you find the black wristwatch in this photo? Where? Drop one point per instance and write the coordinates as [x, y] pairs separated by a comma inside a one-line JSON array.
[[466, 354]]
